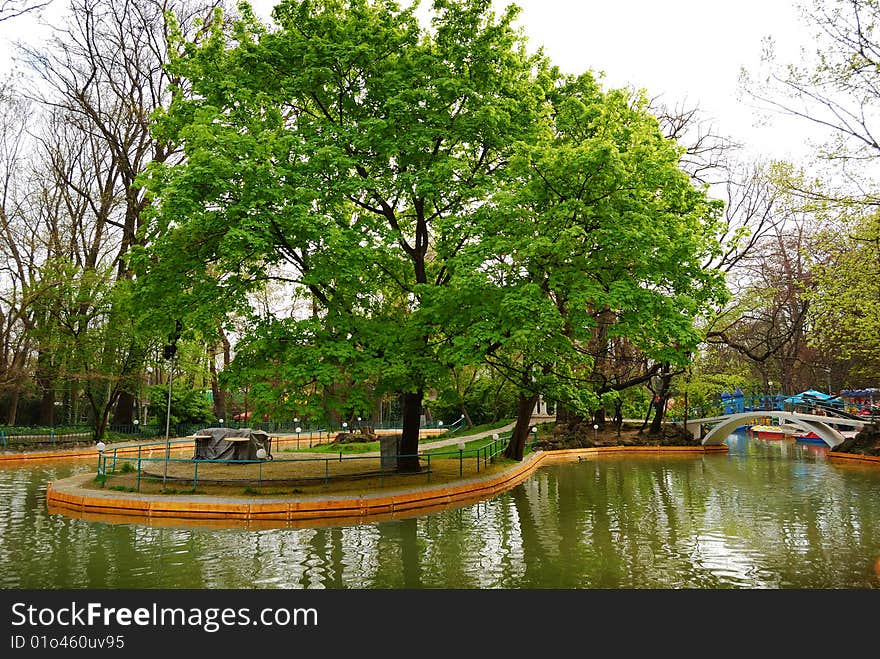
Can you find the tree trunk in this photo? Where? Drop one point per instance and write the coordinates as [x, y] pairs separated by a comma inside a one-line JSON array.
[[662, 399], [13, 405], [47, 405], [524, 408], [618, 415], [217, 393], [74, 403], [467, 417], [408, 460], [648, 412], [100, 426], [46, 384], [124, 411], [565, 416]]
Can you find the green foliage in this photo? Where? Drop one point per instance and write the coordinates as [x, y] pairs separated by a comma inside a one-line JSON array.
[[441, 198], [187, 405], [595, 235], [486, 397], [846, 318], [348, 152]]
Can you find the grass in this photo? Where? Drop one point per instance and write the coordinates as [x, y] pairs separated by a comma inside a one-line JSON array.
[[470, 448], [354, 448], [464, 431], [346, 449], [340, 469]]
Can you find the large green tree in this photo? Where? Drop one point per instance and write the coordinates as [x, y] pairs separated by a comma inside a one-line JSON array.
[[596, 237], [348, 151]]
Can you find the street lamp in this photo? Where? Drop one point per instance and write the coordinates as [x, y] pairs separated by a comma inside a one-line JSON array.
[[221, 422], [460, 457], [136, 422], [596, 433], [100, 446], [535, 433]]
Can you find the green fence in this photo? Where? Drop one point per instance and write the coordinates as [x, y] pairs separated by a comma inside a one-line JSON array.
[[42, 437], [472, 459]]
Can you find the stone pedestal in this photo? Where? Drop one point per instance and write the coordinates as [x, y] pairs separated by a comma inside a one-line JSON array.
[[390, 448]]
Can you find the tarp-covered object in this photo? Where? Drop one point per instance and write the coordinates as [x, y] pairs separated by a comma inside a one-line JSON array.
[[231, 444]]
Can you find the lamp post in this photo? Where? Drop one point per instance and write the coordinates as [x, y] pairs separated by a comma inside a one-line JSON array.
[[168, 425], [136, 423], [595, 433], [535, 433], [298, 431], [769, 394], [460, 458], [221, 422], [100, 446]]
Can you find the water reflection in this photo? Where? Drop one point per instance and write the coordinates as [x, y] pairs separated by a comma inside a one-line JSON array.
[[770, 514]]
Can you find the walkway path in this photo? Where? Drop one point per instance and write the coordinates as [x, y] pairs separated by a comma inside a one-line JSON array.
[[468, 438]]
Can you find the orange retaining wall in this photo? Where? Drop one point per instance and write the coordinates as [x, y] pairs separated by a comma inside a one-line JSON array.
[[854, 457], [68, 495]]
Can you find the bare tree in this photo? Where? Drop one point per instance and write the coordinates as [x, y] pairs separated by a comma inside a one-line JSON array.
[[835, 87], [101, 77], [707, 153], [766, 324], [10, 9]]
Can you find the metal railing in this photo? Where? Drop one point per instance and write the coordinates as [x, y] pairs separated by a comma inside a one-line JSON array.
[[316, 469], [35, 436]]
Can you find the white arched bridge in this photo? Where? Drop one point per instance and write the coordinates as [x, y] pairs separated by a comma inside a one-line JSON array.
[[722, 426]]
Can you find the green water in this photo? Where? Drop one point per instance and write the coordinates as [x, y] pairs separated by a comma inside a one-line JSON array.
[[766, 515]]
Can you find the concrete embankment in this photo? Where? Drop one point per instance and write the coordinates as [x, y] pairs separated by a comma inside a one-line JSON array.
[[70, 496]]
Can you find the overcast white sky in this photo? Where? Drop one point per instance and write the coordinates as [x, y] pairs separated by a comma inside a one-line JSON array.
[[684, 50]]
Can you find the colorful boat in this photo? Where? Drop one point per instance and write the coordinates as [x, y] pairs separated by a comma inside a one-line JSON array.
[[771, 432], [808, 437], [812, 438]]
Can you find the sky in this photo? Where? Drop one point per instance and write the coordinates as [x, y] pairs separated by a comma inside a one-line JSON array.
[[688, 51]]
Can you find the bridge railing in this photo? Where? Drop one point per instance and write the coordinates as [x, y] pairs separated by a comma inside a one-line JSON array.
[[733, 405]]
